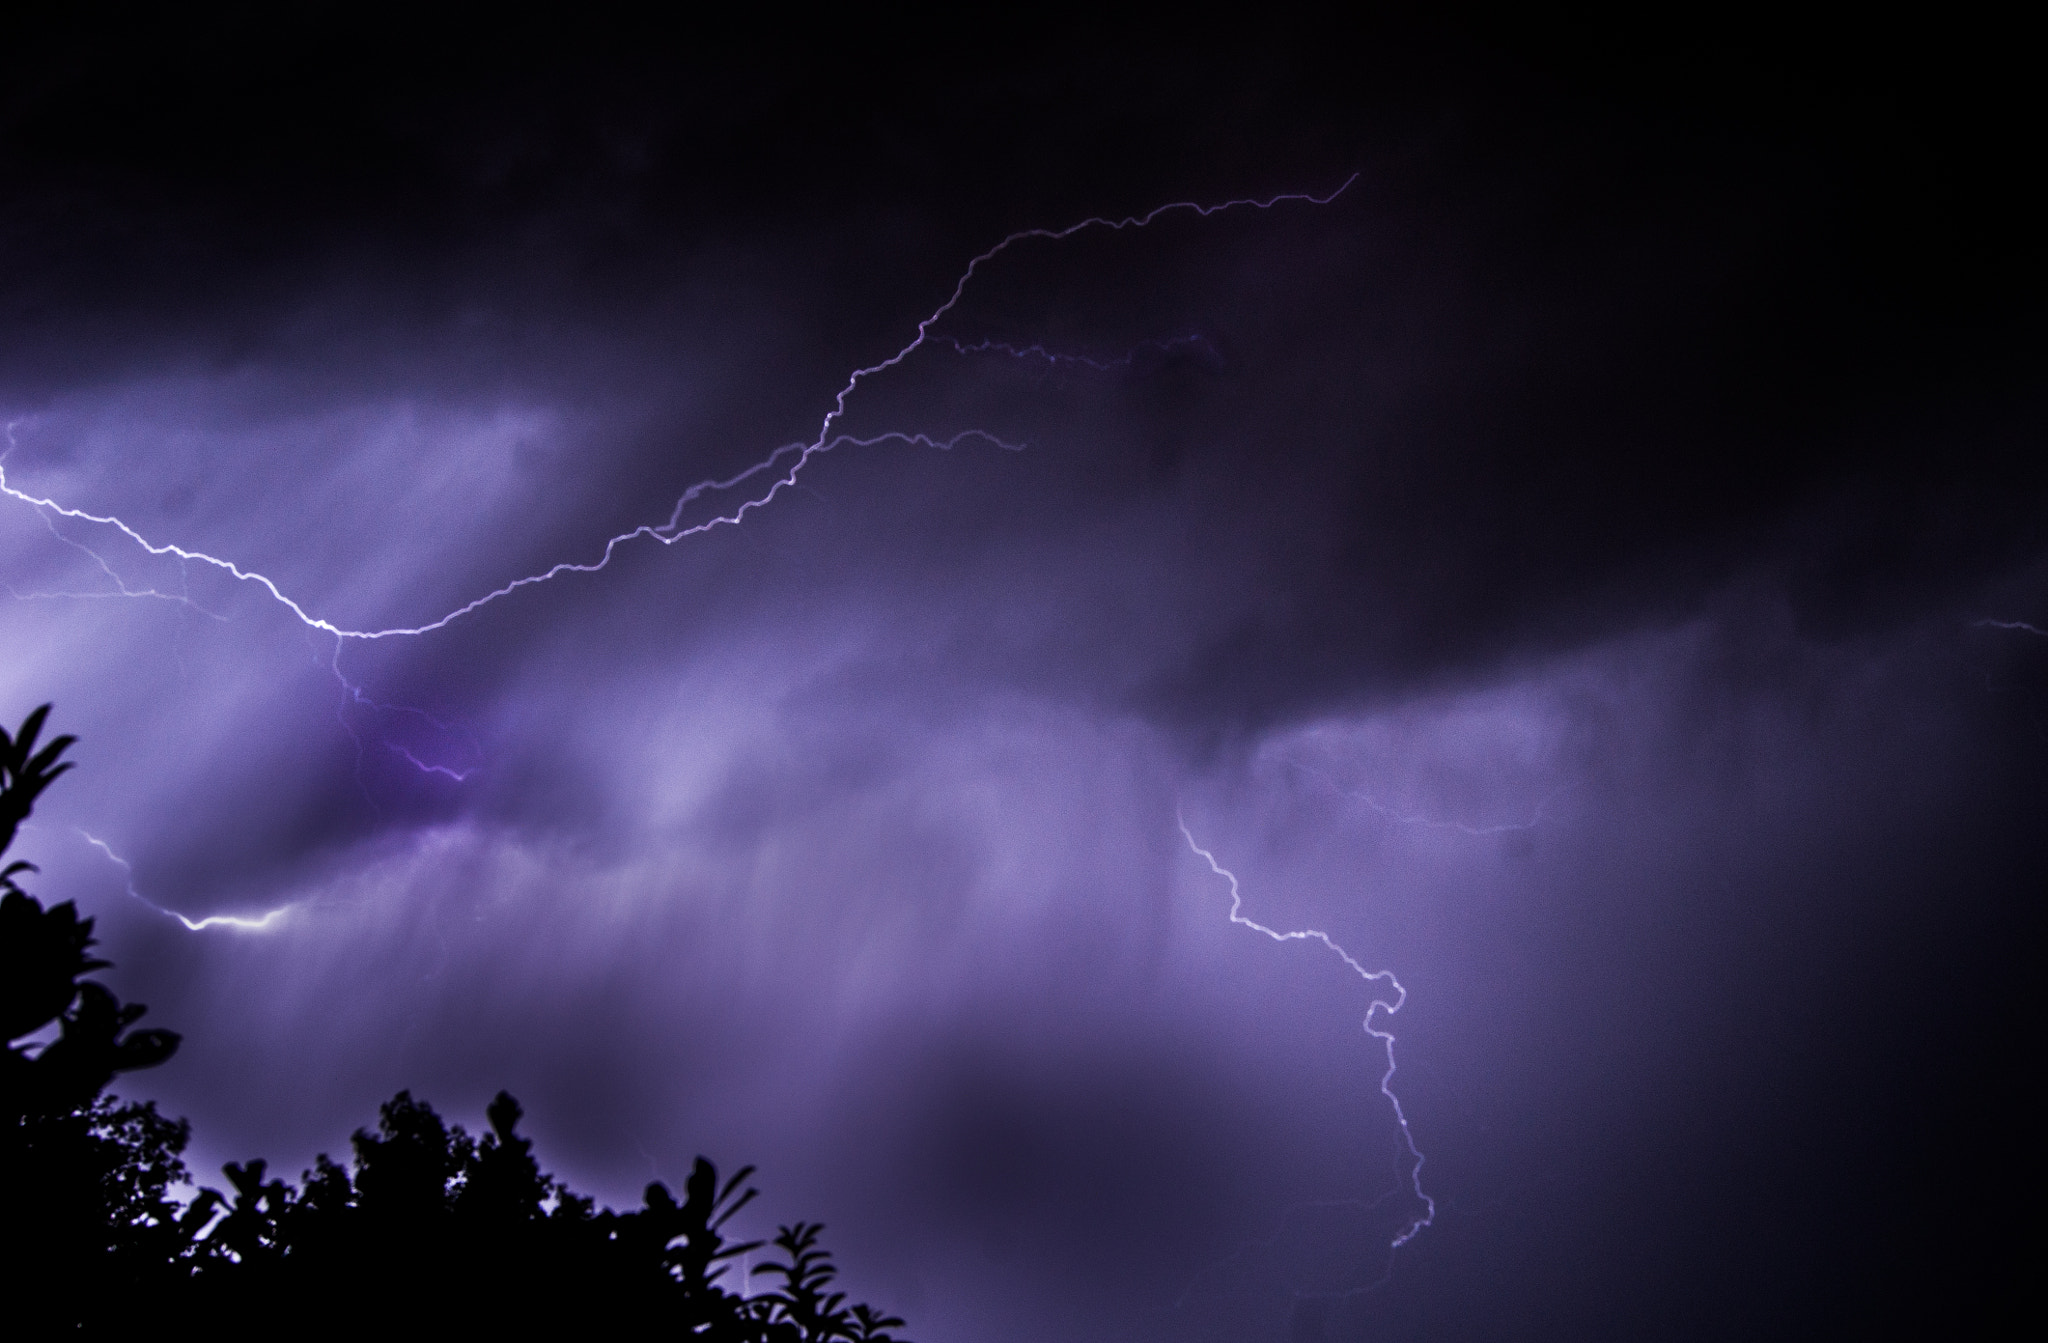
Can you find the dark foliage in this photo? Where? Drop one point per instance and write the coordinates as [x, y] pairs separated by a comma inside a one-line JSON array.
[[427, 1232], [430, 1230], [87, 1180]]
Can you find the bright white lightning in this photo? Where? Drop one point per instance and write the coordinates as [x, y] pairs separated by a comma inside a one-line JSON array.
[[672, 531], [667, 533], [783, 466], [240, 922], [1378, 1004]]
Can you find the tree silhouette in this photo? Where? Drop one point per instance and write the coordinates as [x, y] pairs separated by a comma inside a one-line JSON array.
[[87, 1180], [430, 1230], [426, 1232]]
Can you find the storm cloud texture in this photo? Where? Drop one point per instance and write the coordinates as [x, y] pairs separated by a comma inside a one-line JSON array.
[[1592, 565]]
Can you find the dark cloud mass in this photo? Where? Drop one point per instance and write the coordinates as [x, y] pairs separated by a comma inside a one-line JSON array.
[[1594, 567]]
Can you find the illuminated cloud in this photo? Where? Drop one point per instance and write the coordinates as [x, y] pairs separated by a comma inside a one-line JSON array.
[[1563, 563]]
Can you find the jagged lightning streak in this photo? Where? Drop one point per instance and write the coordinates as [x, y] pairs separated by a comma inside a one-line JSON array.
[[667, 533], [783, 466], [243, 922], [458, 775], [2019, 626], [1386, 1038], [121, 588], [672, 531]]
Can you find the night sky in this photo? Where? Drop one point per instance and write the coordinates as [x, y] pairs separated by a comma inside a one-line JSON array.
[[1574, 533]]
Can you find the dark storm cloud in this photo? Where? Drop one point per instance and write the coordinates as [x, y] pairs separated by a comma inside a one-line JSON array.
[[1623, 332], [1550, 568]]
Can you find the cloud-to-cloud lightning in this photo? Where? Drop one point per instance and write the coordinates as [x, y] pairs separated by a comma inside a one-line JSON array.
[[782, 467], [796, 455], [1585, 568]]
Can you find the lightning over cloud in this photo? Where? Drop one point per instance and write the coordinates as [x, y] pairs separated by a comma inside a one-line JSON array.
[[783, 476], [239, 922], [1374, 978], [781, 469], [1555, 561]]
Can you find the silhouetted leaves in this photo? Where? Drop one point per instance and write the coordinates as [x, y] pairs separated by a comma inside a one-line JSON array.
[[427, 1231], [23, 776], [444, 1232], [92, 1228], [42, 954]]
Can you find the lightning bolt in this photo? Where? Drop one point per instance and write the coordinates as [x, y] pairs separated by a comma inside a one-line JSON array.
[[780, 469], [783, 476], [2019, 626], [121, 588], [240, 922], [459, 775], [783, 466], [1374, 978]]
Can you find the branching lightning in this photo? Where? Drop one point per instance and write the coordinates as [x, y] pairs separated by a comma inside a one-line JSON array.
[[781, 469], [121, 588], [1375, 978], [668, 533], [797, 455]]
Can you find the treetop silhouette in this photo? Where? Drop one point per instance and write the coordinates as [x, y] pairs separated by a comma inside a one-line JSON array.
[[427, 1230]]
